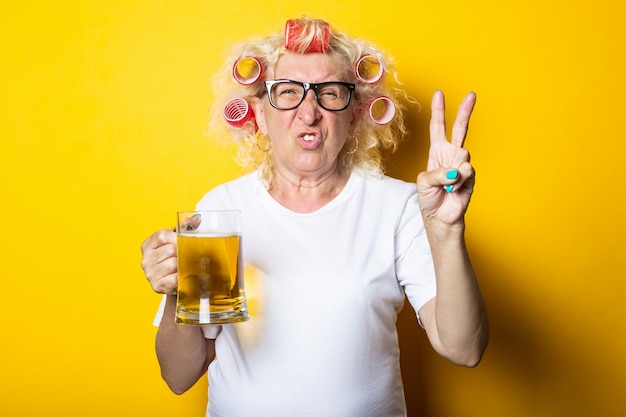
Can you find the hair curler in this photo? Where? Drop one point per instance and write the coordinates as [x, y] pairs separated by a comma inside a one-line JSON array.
[[369, 69], [294, 40], [247, 70], [382, 110], [238, 112]]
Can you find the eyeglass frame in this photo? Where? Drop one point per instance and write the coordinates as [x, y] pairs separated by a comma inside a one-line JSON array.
[[309, 86]]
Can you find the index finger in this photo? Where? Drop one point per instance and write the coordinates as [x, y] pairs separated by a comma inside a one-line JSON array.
[[461, 123], [438, 117], [157, 239]]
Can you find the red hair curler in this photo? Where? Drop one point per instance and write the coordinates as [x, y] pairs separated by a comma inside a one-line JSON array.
[[382, 110], [247, 70], [295, 40], [238, 112]]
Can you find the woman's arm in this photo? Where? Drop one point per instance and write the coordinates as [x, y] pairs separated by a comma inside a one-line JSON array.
[[183, 352], [455, 320]]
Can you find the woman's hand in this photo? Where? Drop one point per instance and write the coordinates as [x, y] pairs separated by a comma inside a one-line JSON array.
[[445, 188], [159, 261]]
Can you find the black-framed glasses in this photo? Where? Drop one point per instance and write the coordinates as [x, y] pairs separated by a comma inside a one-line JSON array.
[[289, 94]]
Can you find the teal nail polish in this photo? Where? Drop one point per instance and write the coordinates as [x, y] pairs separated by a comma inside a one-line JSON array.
[[452, 174], [448, 188]]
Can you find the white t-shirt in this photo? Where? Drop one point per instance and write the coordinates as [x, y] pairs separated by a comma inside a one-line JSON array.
[[323, 290]]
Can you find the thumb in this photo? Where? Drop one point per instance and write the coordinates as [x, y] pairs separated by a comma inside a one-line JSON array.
[[438, 178]]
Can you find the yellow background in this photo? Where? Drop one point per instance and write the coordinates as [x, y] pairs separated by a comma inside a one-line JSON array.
[[102, 116]]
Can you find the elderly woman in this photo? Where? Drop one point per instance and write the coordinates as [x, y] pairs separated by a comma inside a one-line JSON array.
[[336, 243]]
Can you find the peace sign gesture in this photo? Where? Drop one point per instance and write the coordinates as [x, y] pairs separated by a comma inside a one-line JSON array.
[[445, 188]]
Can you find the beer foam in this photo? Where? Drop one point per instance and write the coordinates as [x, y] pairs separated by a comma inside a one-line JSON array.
[[208, 233]]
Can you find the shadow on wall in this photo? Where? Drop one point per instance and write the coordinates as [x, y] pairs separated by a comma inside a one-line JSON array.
[[532, 367], [538, 360], [535, 364]]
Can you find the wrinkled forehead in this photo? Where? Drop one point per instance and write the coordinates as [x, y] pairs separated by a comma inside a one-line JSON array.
[[310, 67]]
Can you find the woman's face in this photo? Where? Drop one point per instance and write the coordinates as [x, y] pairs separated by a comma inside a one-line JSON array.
[[306, 141]]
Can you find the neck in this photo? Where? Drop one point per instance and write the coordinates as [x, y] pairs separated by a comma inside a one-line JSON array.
[[307, 194]]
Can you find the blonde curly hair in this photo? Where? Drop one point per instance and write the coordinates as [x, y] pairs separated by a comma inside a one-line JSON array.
[[373, 138]]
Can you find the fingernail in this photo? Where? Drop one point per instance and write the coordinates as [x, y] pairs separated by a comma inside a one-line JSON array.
[[448, 188], [452, 174]]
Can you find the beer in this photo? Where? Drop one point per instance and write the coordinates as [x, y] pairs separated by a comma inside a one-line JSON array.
[[210, 279]]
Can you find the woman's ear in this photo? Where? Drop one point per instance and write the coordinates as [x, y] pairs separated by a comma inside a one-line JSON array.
[[259, 114], [354, 123]]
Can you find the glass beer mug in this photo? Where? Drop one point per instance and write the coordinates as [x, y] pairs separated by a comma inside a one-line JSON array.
[[210, 268]]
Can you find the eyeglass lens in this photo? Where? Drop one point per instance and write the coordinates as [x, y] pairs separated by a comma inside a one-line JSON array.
[[286, 95]]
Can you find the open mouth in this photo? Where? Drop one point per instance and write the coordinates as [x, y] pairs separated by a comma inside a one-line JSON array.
[[310, 141]]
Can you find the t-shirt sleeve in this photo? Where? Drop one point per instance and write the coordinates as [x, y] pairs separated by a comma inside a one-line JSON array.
[[210, 331], [414, 262]]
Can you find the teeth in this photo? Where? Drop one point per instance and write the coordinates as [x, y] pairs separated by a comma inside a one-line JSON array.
[[308, 138]]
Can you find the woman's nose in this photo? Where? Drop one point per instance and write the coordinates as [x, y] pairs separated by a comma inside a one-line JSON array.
[[309, 109]]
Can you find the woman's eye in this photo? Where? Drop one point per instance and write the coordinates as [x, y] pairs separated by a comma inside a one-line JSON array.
[[288, 92], [328, 94]]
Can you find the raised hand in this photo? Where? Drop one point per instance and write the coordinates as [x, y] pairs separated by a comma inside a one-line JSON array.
[[445, 188]]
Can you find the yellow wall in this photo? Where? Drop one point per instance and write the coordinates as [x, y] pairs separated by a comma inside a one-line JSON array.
[[102, 111]]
